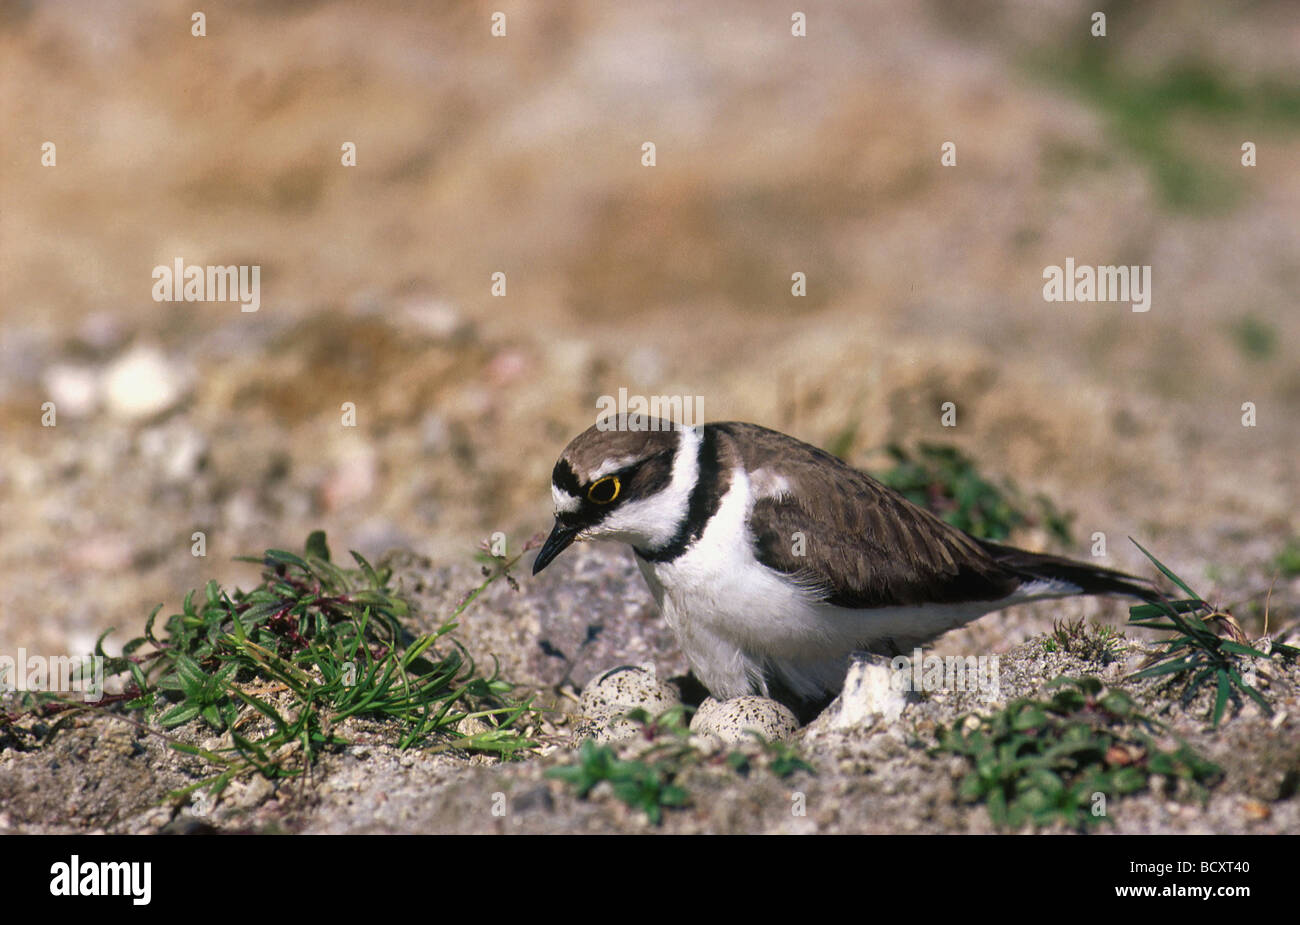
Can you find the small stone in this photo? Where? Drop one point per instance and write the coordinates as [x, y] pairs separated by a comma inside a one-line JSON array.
[[351, 480], [1256, 810], [111, 552], [141, 384], [435, 436], [644, 363], [177, 451], [732, 720], [471, 726], [535, 799], [252, 792], [102, 330], [73, 389], [430, 317], [869, 692], [506, 367]]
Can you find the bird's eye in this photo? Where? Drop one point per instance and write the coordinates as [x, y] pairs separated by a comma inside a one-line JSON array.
[[605, 490]]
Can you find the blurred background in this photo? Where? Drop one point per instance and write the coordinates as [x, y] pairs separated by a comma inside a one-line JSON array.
[[522, 155]]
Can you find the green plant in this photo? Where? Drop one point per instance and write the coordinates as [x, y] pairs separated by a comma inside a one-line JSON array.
[[650, 781], [1045, 761], [1196, 652], [782, 759], [1147, 113], [277, 669], [645, 785], [946, 481], [1287, 561], [1255, 337], [1089, 641]]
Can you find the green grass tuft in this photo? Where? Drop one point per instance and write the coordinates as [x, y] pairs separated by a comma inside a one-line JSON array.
[[277, 669], [1089, 641], [1042, 762], [1196, 654]]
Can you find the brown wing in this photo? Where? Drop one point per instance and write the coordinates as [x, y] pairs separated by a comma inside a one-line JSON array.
[[853, 541]]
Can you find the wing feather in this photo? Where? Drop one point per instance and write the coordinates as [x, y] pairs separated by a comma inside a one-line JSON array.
[[863, 544]]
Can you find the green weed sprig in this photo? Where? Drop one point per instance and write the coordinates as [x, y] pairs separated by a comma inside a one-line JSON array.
[[1046, 761], [1196, 651], [278, 668]]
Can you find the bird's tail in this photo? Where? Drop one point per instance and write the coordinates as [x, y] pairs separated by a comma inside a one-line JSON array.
[[1089, 579]]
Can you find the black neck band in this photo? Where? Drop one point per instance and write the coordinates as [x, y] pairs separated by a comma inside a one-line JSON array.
[[705, 498]]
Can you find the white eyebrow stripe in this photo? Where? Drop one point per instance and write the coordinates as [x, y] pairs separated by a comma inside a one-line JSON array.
[[612, 465], [564, 502]]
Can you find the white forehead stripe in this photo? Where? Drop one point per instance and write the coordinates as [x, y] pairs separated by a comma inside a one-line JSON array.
[[564, 502]]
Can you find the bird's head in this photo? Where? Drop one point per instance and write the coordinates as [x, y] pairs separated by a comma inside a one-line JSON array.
[[617, 483]]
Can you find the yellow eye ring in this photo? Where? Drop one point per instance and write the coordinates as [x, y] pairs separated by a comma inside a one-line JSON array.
[[597, 491]]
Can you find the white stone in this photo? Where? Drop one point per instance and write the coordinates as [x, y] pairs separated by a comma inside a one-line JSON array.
[[868, 693], [176, 450], [141, 384], [73, 389], [433, 316]]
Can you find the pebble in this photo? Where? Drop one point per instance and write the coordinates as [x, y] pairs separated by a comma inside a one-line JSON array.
[[178, 451], [352, 479], [73, 389], [430, 317], [102, 330], [142, 383], [868, 693], [1256, 810]]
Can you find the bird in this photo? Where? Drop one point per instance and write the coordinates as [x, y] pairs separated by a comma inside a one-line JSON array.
[[774, 562]]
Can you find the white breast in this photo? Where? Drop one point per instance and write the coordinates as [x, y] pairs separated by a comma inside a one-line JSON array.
[[730, 612]]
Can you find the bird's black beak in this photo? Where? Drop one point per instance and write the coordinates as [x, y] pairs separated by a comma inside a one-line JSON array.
[[561, 536]]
